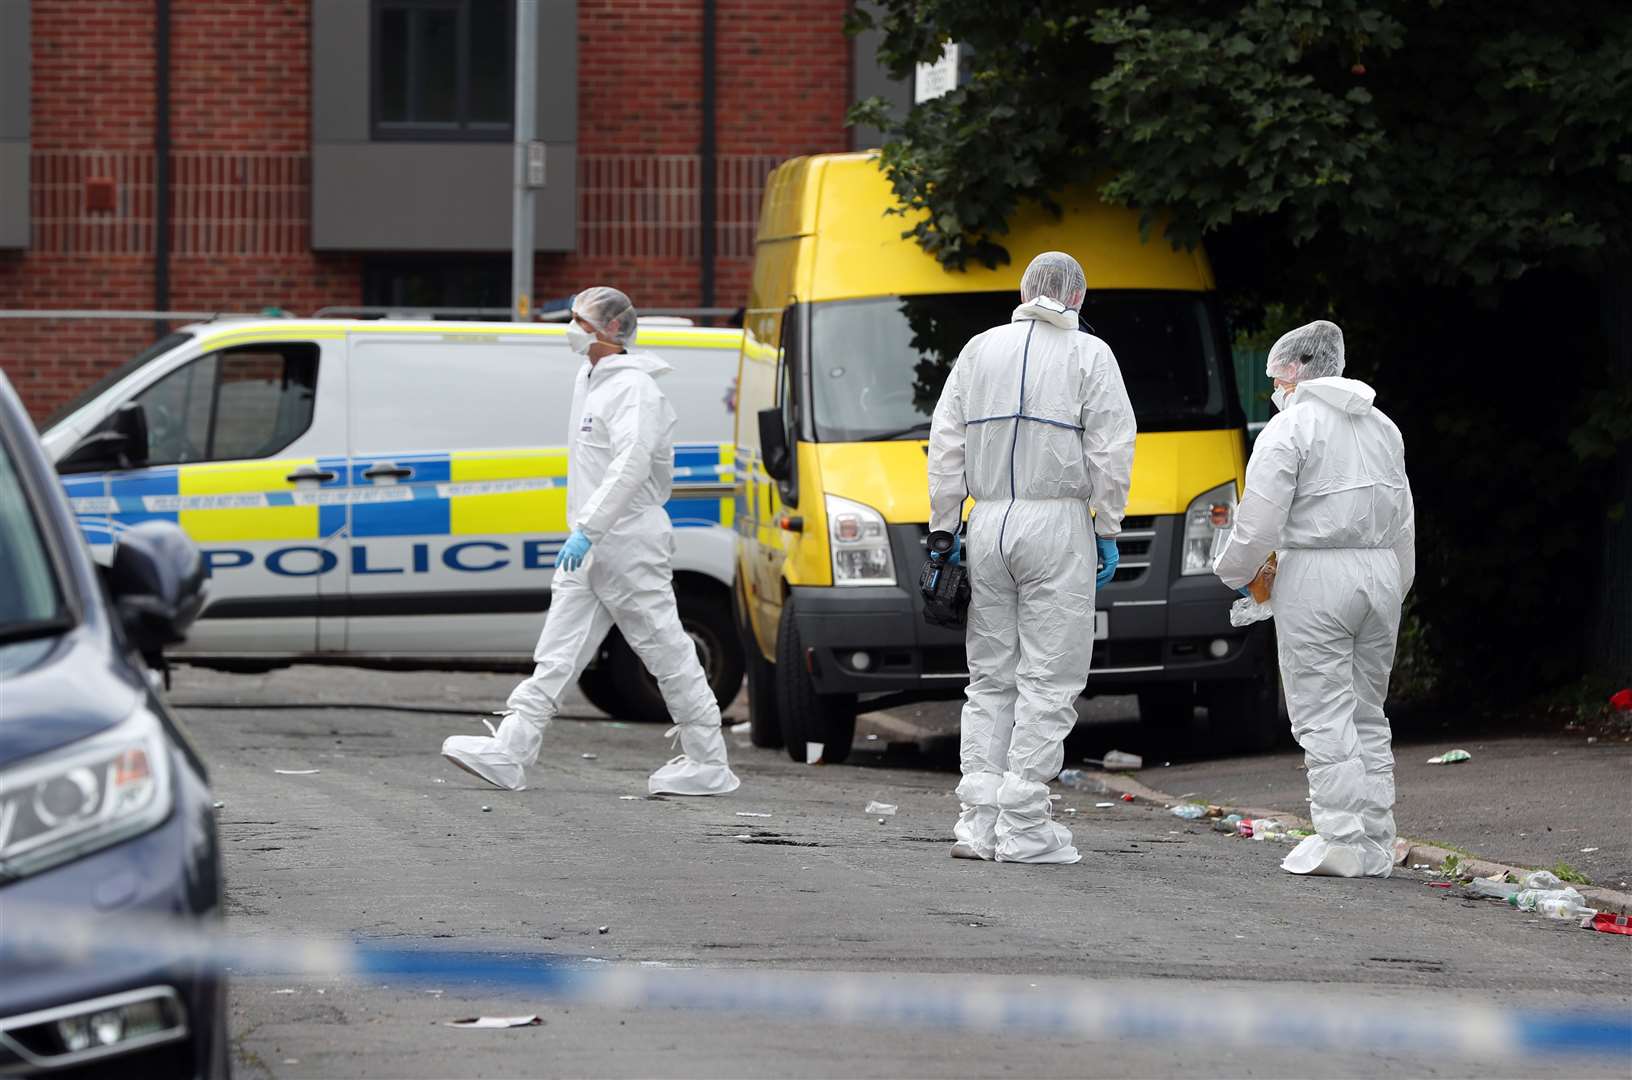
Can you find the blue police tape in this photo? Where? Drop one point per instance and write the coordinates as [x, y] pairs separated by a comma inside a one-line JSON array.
[[1047, 1008]]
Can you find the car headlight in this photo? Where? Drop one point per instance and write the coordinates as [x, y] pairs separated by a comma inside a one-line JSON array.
[[860, 543], [102, 790], [1207, 524]]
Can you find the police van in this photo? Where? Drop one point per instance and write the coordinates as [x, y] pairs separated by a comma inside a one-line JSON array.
[[385, 491]]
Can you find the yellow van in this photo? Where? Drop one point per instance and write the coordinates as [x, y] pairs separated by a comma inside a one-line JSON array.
[[851, 331]]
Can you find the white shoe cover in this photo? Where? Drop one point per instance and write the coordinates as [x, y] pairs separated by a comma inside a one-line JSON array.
[[683, 776], [481, 756], [976, 828], [1320, 857], [700, 769], [1026, 830]]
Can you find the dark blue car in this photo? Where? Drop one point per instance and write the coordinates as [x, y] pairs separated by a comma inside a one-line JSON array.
[[105, 808]]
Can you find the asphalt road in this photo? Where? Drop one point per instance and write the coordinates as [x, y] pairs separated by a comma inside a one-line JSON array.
[[389, 844]]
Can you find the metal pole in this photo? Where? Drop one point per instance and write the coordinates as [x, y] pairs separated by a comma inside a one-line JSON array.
[[708, 157], [521, 240], [161, 163]]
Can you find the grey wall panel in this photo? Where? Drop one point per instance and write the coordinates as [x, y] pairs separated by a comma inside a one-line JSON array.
[[13, 194], [14, 108], [433, 197], [870, 79], [340, 66], [558, 70], [428, 196]]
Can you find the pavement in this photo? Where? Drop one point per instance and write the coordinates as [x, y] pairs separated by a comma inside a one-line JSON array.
[[388, 844]]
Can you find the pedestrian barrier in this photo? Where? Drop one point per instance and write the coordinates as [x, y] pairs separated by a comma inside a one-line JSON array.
[[1099, 1011]]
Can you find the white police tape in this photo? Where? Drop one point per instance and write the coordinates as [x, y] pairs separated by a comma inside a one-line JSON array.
[[1075, 1009], [686, 477]]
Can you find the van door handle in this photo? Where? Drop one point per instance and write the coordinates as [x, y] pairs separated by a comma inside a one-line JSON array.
[[321, 475], [399, 471]]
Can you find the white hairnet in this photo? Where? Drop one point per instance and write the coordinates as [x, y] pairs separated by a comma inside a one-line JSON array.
[[1056, 275], [608, 311], [1313, 351]]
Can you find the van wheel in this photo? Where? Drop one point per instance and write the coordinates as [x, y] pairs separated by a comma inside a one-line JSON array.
[[807, 716], [1250, 715], [619, 684], [764, 720]]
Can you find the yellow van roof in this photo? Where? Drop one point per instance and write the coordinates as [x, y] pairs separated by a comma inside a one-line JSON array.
[[840, 200]]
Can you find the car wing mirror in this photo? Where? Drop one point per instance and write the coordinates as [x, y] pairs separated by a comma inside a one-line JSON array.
[[159, 582]]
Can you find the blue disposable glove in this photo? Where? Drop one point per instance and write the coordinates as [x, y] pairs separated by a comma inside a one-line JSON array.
[[955, 556], [573, 551], [1244, 591], [1108, 558]]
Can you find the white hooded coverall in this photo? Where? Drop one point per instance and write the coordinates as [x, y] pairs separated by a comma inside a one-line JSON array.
[[620, 470], [1035, 424], [1327, 489]]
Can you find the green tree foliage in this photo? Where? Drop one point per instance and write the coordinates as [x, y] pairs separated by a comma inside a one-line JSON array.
[[1451, 181], [1463, 142]]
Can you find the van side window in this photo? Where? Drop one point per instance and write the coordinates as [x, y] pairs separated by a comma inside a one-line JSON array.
[[232, 405]]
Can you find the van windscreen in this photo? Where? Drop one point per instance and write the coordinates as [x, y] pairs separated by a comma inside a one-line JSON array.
[[152, 352], [877, 366]]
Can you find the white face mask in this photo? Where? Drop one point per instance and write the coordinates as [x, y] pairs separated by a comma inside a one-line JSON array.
[[578, 339], [1279, 397]]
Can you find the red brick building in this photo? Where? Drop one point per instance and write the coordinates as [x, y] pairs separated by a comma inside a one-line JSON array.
[[349, 152]]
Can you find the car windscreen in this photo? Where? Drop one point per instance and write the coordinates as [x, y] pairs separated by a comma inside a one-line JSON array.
[[31, 594], [153, 351], [877, 366]]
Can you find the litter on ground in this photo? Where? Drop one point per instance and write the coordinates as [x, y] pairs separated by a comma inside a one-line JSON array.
[[875, 807], [496, 1022], [1450, 757]]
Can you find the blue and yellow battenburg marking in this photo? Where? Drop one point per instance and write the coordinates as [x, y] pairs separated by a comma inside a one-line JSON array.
[[463, 493]]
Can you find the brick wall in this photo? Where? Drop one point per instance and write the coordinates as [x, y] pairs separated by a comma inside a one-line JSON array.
[[240, 87]]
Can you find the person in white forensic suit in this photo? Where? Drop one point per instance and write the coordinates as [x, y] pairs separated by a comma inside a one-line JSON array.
[[620, 468], [1327, 492], [1034, 424]]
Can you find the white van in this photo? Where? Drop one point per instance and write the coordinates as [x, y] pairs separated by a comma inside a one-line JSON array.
[[392, 491]]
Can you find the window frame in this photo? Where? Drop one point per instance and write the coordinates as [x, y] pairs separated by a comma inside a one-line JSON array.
[[219, 356], [381, 130]]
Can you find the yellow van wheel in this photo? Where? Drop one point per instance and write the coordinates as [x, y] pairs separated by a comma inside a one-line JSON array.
[[808, 716]]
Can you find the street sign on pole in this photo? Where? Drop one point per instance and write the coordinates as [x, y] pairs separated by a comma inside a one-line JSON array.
[[938, 78], [529, 162]]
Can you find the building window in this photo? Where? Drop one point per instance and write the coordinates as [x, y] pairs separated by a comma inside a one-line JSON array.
[[418, 282], [443, 69]]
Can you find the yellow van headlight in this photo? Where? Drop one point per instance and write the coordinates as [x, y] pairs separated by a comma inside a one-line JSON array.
[[1207, 523], [860, 543]]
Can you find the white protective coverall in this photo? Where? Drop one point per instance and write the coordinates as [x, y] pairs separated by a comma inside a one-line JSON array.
[[620, 469], [1327, 490], [1034, 423]]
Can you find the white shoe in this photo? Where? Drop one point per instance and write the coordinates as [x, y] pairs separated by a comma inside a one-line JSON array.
[[481, 757], [683, 776]]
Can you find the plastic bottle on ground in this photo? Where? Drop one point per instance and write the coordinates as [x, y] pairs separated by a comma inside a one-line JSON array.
[[1078, 780], [1532, 899]]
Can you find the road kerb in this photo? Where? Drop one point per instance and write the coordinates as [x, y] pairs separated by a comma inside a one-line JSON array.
[[1417, 854]]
